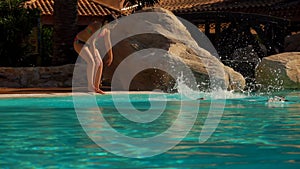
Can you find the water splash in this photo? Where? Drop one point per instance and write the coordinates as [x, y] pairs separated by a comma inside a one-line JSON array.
[[186, 91], [182, 88]]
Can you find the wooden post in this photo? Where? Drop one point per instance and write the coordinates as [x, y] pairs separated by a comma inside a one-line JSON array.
[[207, 29], [217, 30]]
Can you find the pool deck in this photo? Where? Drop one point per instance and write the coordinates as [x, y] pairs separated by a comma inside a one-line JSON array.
[[34, 92], [52, 92]]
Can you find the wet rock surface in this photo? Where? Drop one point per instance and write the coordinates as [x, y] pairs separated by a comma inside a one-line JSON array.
[[281, 70]]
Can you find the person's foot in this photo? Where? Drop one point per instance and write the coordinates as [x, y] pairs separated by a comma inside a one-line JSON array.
[[96, 90], [99, 91]]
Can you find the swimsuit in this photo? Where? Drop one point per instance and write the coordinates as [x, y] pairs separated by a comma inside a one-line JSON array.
[[89, 30], [78, 41]]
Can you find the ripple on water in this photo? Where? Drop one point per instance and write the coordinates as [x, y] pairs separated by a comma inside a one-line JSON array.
[[45, 133]]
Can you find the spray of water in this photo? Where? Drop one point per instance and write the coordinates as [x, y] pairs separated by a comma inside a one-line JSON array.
[[191, 94]]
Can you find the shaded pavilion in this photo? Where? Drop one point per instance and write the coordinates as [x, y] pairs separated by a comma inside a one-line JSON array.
[[270, 20]]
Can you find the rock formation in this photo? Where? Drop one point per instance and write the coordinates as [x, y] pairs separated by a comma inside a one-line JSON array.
[[292, 43], [166, 32], [281, 70]]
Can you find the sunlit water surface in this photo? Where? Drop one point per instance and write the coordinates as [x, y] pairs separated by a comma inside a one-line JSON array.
[[46, 133]]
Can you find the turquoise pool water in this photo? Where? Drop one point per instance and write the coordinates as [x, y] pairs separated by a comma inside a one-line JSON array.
[[45, 133]]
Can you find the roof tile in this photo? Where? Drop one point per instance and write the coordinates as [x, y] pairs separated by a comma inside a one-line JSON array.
[[85, 7], [280, 8]]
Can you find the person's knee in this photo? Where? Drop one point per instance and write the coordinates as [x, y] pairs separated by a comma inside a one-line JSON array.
[[86, 55], [98, 62]]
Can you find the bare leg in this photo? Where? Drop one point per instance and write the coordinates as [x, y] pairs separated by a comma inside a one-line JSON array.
[[90, 69], [98, 74]]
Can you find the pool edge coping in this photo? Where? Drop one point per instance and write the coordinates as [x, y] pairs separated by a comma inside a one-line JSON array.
[[59, 94]]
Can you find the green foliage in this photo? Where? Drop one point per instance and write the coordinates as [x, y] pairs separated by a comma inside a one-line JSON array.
[[46, 45], [16, 23]]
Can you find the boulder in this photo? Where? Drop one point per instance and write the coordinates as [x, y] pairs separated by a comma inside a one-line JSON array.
[[235, 80], [171, 36], [280, 71], [291, 43]]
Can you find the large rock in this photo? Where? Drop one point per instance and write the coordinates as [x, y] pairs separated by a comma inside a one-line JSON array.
[[281, 70], [235, 79], [170, 35], [292, 43]]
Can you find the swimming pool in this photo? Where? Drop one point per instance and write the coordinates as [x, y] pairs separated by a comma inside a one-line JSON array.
[[44, 132]]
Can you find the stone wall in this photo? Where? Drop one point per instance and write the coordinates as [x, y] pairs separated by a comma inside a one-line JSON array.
[[19, 77]]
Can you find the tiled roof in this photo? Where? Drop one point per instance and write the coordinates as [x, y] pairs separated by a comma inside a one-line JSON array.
[[174, 5], [112, 4], [85, 7], [280, 8]]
